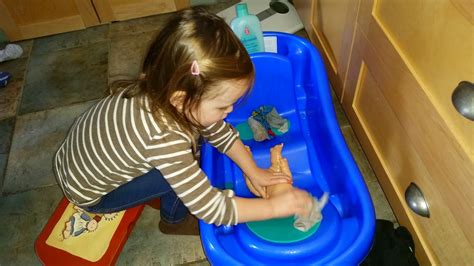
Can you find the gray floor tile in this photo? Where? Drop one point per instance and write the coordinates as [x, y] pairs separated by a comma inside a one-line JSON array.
[[3, 166], [203, 262], [36, 139], [16, 67], [302, 34], [126, 55], [23, 217], [130, 41], [65, 77], [6, 132], [138, 26], [382, 207], [216, 8], [70, 40], [10, 95], [155, 23], [148, 246], [340, 115], [10, 98]]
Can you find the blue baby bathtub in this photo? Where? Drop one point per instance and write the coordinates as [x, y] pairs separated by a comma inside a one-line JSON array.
[[294, 81]]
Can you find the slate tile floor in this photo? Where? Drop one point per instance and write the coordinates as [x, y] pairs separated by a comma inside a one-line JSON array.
[[55, 80]]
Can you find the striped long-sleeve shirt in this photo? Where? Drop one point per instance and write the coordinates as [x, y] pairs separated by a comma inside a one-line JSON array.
[[117, 140]]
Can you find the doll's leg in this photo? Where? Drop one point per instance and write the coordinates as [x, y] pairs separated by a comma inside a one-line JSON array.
[[279, 164], [275, 157]]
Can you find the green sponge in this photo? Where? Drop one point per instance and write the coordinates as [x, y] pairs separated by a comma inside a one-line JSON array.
[[280, 230]]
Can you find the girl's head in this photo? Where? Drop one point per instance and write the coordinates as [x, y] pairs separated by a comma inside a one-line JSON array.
[[196, 69]]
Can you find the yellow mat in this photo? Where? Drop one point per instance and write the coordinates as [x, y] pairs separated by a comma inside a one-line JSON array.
[[82, 234]]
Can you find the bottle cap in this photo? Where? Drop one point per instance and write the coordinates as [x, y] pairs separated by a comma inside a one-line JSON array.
[[241, 9]]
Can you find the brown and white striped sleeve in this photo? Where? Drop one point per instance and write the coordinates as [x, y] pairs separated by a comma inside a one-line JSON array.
[[173, 157], [221, 135]]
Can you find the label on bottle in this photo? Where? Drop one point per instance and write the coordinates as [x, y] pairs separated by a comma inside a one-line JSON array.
[[250, 41]]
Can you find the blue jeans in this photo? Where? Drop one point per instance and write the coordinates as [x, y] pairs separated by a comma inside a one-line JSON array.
[[140, 190]]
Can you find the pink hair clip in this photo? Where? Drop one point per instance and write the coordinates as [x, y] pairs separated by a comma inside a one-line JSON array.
[[195, 68]]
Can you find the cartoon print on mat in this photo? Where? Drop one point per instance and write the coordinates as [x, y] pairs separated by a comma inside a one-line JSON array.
[[82, 222], [110, 216]]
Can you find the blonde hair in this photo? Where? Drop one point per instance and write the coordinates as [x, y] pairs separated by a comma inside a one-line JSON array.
[[190, 35]]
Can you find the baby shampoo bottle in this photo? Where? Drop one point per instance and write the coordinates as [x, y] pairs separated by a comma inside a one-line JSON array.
[[247, 28]]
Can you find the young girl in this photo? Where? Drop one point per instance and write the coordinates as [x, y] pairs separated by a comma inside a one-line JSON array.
[[141, 142]]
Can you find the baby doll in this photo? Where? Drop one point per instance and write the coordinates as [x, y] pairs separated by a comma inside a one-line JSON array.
[[280, 164]]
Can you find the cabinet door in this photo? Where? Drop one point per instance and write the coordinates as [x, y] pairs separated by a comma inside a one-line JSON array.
[[408, 57], [330, 26], [116, 10], [24, 19]]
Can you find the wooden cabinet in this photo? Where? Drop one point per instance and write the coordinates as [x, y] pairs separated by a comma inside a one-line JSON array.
[[30, 18], [330, 26], [394, 65], [24, 19]]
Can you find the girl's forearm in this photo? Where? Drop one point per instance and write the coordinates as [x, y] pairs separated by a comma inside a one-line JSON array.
[[254, 209], [241, 157]]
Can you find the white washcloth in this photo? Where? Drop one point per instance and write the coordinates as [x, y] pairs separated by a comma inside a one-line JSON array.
[[315, 216], [258, 130], [11, 51]]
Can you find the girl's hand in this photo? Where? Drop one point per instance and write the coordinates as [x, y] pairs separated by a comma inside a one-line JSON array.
[[291, 202], [260, 178]]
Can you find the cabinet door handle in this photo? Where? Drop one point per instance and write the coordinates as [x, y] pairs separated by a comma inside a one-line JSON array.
[[463, 99], [416, 201]]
